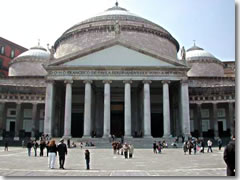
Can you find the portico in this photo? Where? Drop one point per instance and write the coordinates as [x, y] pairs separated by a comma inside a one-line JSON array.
[[118, 90]]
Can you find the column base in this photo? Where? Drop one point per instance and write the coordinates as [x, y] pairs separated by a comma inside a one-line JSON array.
[[105, 136], [67, 137], [148, 136], [86, 137], [167, 136], [128, 137], [16, 138]]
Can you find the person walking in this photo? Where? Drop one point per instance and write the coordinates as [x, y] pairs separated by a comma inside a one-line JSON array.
[[62, 151], [42, 146], [202, 146], [6, 146], [47, 147], [219, 143], [209, 143], [131, 149], [52, 148], [29, 147], [185, 148], [125, 150], [35, 146], [154, 147], [87, 158], [195, 146], [229, 157]]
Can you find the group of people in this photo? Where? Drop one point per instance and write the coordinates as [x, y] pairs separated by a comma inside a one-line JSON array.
[[158, 146], [126, 149], [199, 145]]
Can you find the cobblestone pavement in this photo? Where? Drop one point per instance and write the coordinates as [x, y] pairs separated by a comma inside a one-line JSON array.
[[172, 162]]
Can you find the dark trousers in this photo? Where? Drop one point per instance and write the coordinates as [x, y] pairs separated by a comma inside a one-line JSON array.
[[35, 150], [87, 163], [41, 152], [61, 161], [29, 151], [130, 155], [209, 148], [126, 155]]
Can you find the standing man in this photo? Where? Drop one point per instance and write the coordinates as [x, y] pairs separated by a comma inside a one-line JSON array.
[[229, 154], [29, 147], [87, 158], [35, 146], [219, 143], [6, 146], [62, 151], [209, 143]]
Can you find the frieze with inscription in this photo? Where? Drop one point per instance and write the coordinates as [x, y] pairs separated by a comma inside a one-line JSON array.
[[113, 73]]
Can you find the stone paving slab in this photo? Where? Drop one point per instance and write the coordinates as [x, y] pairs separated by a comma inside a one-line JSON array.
[[172, 162]]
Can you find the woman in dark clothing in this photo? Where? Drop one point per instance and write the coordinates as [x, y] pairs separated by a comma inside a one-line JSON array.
[[52, 152], [87, 158]]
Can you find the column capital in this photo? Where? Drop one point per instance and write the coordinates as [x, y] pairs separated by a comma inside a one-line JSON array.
[[184, 81], [165, 82], [34, 103], [18, 102], [49, 81], [147, 81], [87, 81], [68, 81], [107, 81], [127, 81]]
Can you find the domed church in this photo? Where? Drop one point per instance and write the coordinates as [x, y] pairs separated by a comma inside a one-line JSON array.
[[116, 74]]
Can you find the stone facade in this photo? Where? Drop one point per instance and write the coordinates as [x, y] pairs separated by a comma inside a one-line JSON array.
[[167, 97]]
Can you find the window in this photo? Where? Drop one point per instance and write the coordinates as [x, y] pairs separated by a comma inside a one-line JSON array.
[[205, 125], [12, 53], [2, 49], [1, 63], [205, 113], [221, 112]]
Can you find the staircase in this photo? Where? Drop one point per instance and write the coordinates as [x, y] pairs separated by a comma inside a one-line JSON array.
[[137, 142]]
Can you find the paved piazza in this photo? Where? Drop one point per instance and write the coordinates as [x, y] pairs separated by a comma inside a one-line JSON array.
[[172, 162]]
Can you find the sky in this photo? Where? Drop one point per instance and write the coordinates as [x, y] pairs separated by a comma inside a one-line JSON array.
[[211, 23]]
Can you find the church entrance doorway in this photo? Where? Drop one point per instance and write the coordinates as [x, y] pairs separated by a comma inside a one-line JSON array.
[[77, 125], [157, 124], [117, 119]]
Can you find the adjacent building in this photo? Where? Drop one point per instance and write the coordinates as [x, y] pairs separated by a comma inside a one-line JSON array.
[[8, 51]]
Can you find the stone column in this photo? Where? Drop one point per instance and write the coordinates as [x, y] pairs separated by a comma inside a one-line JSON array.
[[34, 119], [48, 117], [230, 116], [87, 110], [127, 109], [107, 109], [185, 108], [215, 119], [68, 109], [2, 118], [18, 123], [166, 109], [199, 119], [147, 109]]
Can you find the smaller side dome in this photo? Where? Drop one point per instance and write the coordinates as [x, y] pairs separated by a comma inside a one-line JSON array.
[[30, 62], [203, 63]]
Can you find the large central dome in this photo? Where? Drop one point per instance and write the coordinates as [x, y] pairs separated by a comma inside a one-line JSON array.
[[133, 30]]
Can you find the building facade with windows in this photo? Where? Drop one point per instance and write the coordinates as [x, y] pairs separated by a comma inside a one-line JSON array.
[[117, 73], [8, 51]]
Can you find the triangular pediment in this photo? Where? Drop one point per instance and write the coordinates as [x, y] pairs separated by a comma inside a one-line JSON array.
[[115, 53], [117, 56]]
